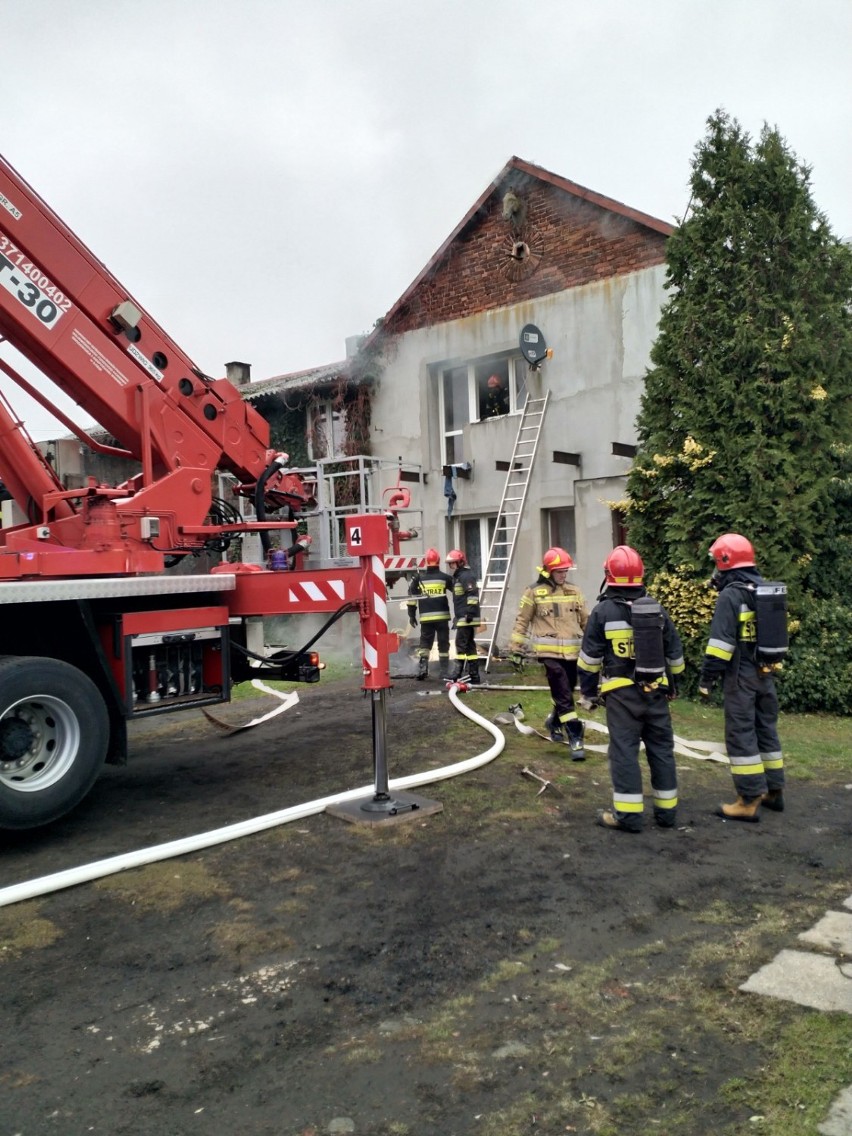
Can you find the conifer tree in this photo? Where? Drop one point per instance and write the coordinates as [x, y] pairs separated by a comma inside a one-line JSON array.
[[747, 407], [746, 418]]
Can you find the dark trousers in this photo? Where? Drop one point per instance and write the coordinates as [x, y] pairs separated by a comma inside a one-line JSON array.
[[466, 642], [632, 716], [751, 732], [429, 631], [562, 678]]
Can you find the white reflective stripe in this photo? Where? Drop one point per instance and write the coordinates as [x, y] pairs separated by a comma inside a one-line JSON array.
[[591, 660], [562, 639], [371, 655], [664, 794], [721, 645], [751, 759], [628, 798], [617, 625]]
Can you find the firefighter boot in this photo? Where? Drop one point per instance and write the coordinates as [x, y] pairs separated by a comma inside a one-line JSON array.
[[443, 668], [473, 672], [554, 726], [666, 818], [773, 800], [741, 809], [575, 730], [457, 671], [609, 818], [422, 668]]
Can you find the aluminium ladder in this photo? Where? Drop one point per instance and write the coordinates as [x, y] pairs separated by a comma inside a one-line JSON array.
[[501, 553]]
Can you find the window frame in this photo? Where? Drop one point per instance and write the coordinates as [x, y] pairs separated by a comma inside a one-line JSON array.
[[325, 410], [515, 364], [487, 523]]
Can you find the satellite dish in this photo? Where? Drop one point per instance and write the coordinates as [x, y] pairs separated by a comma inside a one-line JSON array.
[[533, 347]]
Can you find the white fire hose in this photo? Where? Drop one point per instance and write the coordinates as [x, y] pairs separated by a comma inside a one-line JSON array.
[[15, 893], [113, 864]]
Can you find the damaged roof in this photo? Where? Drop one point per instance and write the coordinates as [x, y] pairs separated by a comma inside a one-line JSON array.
[[310, 379]]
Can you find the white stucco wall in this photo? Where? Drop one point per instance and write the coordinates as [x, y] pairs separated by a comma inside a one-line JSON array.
[[601, 335]]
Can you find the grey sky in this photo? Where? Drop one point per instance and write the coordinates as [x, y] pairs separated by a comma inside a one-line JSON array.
[[267, 177]]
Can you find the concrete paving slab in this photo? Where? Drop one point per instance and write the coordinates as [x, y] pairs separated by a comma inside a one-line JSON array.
[[839, 1119], [809, 979], [832, 933]]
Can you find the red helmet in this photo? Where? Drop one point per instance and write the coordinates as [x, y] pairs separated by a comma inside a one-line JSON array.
[[732, 551], [624, 567], [433, 557], [495, 381], [556, 558], [456, 556]]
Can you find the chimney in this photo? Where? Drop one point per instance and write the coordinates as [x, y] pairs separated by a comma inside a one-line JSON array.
[[238, 373], [353, 345]]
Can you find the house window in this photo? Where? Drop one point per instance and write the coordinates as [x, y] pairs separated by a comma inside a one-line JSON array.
[[477, 391], [326, 431], [560, 531], [471, 542], [619, 527], [475, 535]]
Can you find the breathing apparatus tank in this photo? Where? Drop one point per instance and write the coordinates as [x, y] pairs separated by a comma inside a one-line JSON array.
[[649, 654], [770, 610]]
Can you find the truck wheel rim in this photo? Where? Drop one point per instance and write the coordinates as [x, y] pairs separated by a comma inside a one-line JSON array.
[[54, 732]]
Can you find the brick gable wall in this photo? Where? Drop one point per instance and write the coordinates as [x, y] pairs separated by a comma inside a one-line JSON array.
[[571, 241]]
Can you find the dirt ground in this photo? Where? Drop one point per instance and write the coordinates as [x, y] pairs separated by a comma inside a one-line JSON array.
[[503, 967]]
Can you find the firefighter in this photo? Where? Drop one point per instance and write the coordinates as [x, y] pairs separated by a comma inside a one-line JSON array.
[[552, 616], [428, 595], [744, 651], [631, 646], [497, 398], [466, 616]]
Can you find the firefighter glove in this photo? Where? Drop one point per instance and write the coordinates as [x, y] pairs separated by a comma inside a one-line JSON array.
[[412, 618], [589, 701], [706, 682], [518, 661]]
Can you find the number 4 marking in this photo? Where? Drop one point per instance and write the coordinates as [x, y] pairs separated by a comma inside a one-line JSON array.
[[355, 535]]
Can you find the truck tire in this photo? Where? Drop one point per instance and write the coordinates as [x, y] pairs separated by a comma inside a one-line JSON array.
[[54, 733]]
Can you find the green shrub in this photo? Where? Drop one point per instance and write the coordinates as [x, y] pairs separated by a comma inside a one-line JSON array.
[[818, 673], [690, 604]]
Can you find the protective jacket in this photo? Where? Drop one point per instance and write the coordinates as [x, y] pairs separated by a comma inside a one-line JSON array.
[[751, 703], [552, 616], [465, 598], [428, 595], [607, 652], [733, 631], [496, 403]]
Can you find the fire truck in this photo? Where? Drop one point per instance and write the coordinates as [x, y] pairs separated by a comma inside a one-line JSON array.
[[99, 624]]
